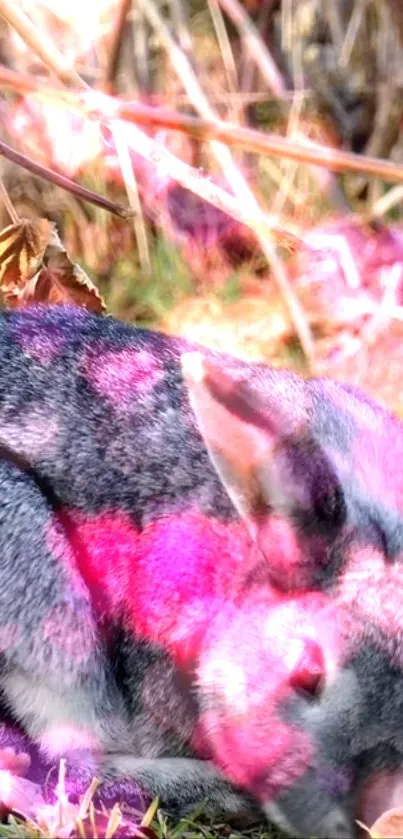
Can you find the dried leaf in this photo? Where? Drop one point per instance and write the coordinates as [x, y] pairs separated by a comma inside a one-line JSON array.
[[22, 247], [57, 286], [56, 279], [63, 281], [389, 825]]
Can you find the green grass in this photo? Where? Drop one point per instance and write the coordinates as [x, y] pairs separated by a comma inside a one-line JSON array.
[[184, 829], [160, 827]]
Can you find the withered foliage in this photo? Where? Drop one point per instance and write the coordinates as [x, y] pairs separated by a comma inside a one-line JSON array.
[[35, 268]]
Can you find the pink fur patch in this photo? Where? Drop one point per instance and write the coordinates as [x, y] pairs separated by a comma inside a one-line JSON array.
[[74, 643], [266, 761], [33, 435], [246, 670], [41, 345], [171, 579], [121, 375], [79, 641]]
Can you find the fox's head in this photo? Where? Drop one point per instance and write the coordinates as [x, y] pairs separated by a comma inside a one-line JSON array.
[[301, 680]]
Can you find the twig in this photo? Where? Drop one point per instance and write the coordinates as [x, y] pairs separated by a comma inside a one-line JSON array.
[[226, 52], [289, 167], [180, 14], [99, 106], [246, 96], [141, 50], [352, 31], [385, 203], [387, 120], [334, 20], [40, 43], [287, 25], [65, 183], [115, 46], [172, 166], [261, 143], [24, 83], [122, 150], [263, 25], [130, 182]]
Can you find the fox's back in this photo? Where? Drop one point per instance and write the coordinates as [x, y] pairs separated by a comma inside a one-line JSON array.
[[91, 404]]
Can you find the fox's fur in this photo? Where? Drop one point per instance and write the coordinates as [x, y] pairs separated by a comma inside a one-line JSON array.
[[200, 570]]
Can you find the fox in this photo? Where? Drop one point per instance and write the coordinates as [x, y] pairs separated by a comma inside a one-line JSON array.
[[201, 589]]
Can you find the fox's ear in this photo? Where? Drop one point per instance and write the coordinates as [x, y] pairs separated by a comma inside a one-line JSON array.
[[269, 464]]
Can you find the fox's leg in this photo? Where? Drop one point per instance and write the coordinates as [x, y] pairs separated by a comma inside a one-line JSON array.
[[53, 672], [182, 783]]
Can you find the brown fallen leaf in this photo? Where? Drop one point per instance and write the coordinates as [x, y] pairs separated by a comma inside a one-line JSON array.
[[60, 286], [35, 268], [22, 247], [389, 825]]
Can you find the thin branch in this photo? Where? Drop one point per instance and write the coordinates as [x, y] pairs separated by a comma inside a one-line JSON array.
[[333, 17], [24, 83], [386, 203], [130, 182], [225, 49], [264, 27], [42, 45], [65, 183], [99, 106], [122, 151], [256, 141], [353, 28], [176, 169], [180, 23], [141, 50], [115, 46]]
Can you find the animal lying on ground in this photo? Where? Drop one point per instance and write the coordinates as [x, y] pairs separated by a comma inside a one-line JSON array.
[[201, 583]]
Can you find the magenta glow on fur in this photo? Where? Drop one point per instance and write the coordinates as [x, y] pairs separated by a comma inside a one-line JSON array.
[[119, 375]]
